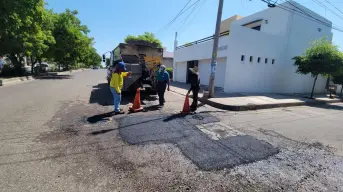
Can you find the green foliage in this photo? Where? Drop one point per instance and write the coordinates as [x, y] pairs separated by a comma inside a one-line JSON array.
[[20, 20], [29, 29], [170, 71], [145, 39], [322, 58], [108, 62], [72, 45], [187, 44], [338, 79]]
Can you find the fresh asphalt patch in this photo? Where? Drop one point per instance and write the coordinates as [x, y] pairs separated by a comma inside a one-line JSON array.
[[181, 131]]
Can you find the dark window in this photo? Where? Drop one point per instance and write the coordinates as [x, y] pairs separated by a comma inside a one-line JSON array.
[[258, 28], [242, 58], [266, 60], [258, 59], [273, 61], [251, 58]]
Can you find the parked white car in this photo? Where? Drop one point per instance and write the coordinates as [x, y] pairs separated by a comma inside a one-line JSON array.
[[44, 66]]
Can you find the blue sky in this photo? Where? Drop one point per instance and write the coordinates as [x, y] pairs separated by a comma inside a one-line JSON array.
[[110, 21]]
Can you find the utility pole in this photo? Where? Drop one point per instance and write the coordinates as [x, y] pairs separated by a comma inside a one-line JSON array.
[[215, 49], [174, 65]]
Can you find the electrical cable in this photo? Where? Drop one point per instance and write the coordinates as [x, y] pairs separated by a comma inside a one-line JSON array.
[[200, 6], [334, 6], [183, 10], [304, 14], [325, 7], [194, 8]]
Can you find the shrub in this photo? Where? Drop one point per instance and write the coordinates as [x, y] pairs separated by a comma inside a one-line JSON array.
[[170, 71], [10, 71]]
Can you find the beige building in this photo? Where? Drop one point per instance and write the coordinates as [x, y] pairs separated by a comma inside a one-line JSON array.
[[226, 24], [168, 58]]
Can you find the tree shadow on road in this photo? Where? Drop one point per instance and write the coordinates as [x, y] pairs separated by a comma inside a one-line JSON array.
[[100, 117], [329, 106], [54, 77], [101, 94]]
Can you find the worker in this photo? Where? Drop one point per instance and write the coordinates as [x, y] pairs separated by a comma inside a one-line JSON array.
[[163, 83], [195, 87], [116, 85]]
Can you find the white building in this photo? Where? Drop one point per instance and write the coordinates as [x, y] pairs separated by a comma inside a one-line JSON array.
[[257, 54]]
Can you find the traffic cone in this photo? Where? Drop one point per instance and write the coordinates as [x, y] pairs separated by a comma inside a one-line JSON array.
[[137, 102], [186, 109]]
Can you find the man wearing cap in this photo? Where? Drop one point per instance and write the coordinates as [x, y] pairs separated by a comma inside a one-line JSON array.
[[162, 78], [195, 87], [116, 85]]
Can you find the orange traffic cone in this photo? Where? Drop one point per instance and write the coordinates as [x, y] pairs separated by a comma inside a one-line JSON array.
[[137, 102], [186, 109]]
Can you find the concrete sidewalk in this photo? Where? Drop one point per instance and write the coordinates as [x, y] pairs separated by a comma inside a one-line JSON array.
[[254, 101], [16, 80]]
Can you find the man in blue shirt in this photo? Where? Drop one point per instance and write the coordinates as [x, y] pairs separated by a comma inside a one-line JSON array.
[[162, 82]]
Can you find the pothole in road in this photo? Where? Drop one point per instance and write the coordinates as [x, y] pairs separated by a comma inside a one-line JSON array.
[[229, 149], [218, 130]]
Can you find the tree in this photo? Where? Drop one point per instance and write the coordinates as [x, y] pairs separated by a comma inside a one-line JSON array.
[[339, 81], [39, 43], [72, 43], [108, 62], [20, 21], [322, 58], [187, 44], [145, 39]]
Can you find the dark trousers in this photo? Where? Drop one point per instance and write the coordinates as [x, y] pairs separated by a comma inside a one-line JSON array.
[[161, 89], [194, 104]]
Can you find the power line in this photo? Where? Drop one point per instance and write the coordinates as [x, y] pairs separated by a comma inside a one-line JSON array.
[[194, 8], [303, 14], [325, 7], [311, 18], [331, 25], [189, 23], [183, 10], [334, 6], [308, 14]]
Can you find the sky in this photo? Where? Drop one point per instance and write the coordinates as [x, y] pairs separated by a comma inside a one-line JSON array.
[[110, 21]]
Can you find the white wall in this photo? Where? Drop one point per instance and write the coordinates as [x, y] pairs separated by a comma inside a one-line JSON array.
[[249, 76], [301, 33], [292, 36], [180, 72], [284, 36], [205, 72], [277, 20], [200, 51]]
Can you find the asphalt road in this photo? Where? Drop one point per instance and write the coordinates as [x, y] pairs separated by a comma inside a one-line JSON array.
[[57, 134]]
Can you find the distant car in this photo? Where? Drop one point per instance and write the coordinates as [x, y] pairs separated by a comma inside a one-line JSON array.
[[43, 67], [95, 67]]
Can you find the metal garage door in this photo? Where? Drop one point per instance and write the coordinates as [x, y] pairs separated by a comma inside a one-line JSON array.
[[205, 70]]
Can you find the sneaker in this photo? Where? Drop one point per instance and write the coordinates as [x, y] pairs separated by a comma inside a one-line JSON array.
[[119, 112]]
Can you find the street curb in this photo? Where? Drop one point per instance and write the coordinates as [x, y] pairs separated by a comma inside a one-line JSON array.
[[30, 78], [15, 80], [261, 106], [67, 72]]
